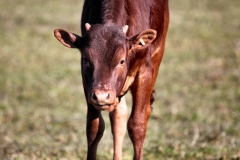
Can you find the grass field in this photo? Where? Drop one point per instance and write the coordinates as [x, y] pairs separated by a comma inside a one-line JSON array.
[[196, 114]]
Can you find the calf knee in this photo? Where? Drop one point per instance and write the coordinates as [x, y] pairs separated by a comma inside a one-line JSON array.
[[136, 129]]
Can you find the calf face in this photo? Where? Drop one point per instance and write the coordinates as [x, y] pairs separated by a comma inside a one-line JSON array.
[[106, 54]]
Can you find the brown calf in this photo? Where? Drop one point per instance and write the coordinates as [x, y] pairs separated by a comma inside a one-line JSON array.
[[121, 50]]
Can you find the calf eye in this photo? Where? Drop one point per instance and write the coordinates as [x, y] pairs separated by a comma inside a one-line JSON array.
[[122, 61], [85, 61]]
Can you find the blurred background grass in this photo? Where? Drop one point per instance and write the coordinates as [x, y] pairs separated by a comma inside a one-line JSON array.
[[196, 114]]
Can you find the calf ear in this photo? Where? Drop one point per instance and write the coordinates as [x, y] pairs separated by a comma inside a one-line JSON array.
[[68, 39], [143, 39]]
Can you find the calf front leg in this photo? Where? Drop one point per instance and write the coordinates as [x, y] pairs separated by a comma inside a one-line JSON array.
[[118, 118], [94, 130], [137, 123]]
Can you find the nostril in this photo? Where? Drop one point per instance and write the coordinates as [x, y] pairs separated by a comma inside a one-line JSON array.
[[108, 96], [94, 96]]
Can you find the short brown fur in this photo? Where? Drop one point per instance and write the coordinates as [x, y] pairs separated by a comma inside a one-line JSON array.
[[116, 58]]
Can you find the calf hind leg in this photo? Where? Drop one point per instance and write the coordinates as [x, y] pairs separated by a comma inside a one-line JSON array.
[[118, 118]]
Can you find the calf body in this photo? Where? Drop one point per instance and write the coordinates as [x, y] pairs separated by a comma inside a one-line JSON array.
[[121, 49]]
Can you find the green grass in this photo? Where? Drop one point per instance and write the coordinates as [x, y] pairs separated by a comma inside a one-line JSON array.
[[196, 114]]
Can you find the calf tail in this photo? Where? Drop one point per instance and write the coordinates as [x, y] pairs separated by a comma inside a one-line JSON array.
[[152, 99]]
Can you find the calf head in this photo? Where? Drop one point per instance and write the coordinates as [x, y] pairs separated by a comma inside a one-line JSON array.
[[105, 56]]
